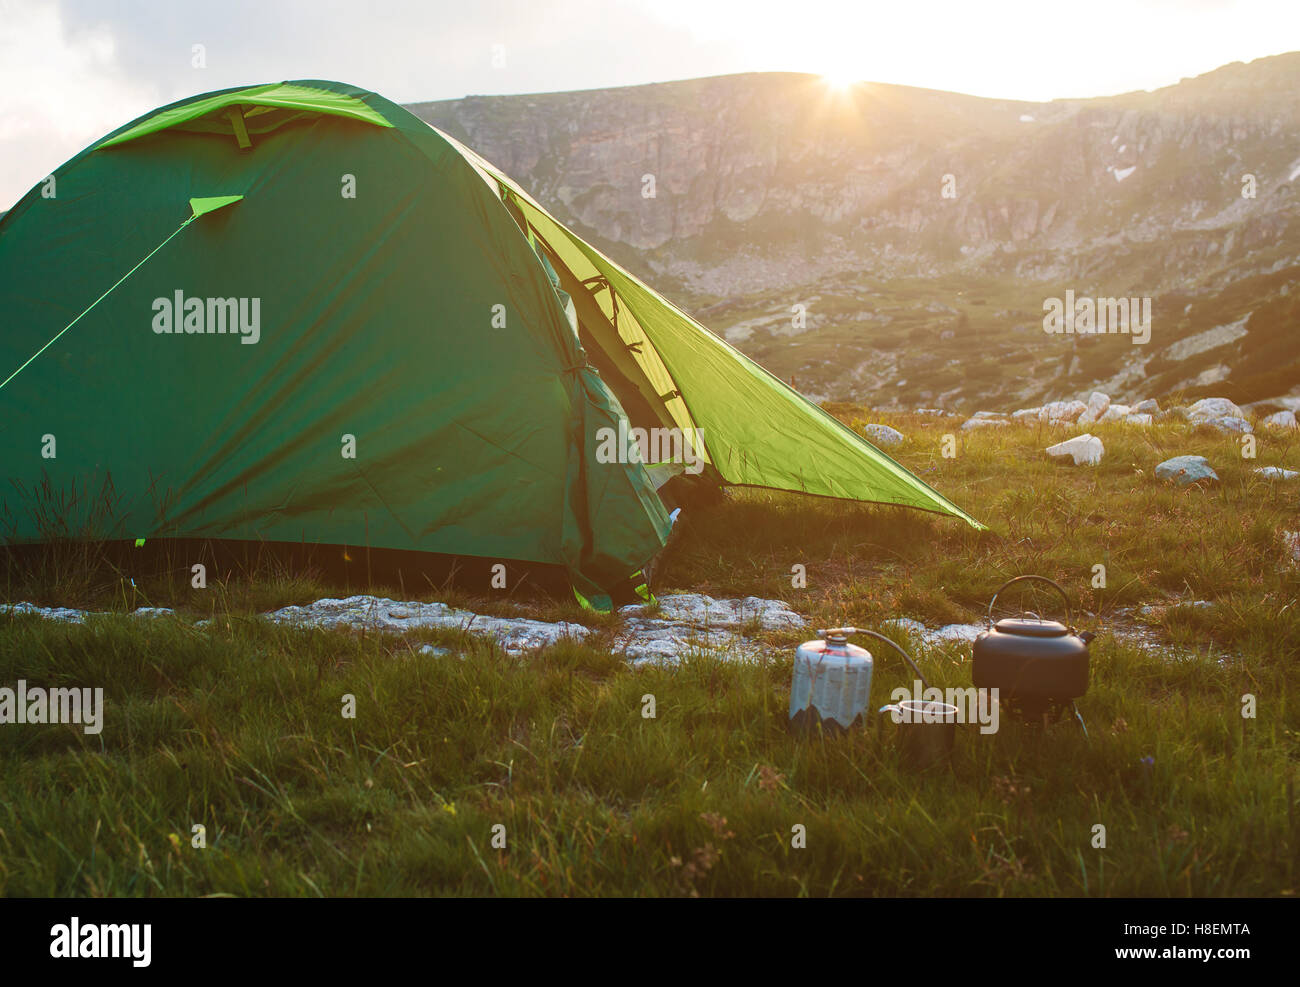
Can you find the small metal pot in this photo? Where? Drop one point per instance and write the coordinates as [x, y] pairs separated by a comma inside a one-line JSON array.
[[927, 730]]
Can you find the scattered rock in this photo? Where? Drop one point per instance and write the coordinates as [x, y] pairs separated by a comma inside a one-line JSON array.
[[1291, 542], [684, 624], [662, 643], [984, 422], [1184, 470], [882, 435], [1136, 419], [72, 616], [698, 610], [1085, 450], [1282, 419], [1148, 407], [1116, 413], [369, 613], [1058, 412], [1208, 409], [946, 634], [692, 623], [1025, 414], [49, 613], [1095, 408], [1159, 610], [1238, 426], [1276, 473]]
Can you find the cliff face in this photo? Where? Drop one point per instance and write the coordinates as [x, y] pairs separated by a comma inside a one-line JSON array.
[[747, 194]]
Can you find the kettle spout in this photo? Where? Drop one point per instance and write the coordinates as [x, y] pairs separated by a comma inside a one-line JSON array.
[[1087, 636]]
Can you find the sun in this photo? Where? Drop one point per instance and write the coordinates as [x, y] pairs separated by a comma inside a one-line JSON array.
[[839, 80]]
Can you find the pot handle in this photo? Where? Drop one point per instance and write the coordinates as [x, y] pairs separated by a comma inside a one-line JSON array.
[[1043, 579], [844, 632], [899, 649]]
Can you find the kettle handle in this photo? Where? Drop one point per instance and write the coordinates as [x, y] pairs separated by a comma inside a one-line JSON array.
[[1043, 579]]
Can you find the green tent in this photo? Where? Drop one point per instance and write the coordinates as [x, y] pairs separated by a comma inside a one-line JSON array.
[[297, 313]]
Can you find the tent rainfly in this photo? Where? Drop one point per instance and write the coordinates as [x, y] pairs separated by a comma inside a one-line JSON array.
[[297, 313]]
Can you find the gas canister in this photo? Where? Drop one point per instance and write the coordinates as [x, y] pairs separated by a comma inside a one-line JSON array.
[[832, 681]]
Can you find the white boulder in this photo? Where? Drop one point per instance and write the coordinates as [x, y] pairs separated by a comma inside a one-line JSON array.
[[882, 435], [1148, 407], [1276, 473], [1116, 413], [1229, 423], [1058, 412], [1135, 419], [1085, 450], [1208, 409], [1282, 419], [1095, 408]]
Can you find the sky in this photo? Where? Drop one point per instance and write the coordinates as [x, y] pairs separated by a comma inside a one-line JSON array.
[[72, 70]]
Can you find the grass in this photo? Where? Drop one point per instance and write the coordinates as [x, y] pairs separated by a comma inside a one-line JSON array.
[[237, 727]]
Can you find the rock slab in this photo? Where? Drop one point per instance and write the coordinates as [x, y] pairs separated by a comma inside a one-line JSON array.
[[1085, 450], [882, 435], [1184, 470]]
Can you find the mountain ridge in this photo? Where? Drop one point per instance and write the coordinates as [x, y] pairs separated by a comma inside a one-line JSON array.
[[890, 212]]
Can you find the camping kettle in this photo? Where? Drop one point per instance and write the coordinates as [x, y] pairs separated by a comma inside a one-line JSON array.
[[1038, 666]]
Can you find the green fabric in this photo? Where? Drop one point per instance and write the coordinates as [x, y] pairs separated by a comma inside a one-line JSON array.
[[198, 207], [140, 263], [757, 430], [377, 321], [201, 207], [285, 95]]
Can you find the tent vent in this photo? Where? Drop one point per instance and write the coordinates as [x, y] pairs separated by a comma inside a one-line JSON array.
[[236, 118]]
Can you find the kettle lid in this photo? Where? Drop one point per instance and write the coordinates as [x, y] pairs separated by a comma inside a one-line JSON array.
[[1031, 627]]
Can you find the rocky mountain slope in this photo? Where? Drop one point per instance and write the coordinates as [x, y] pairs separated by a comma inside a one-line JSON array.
[[897, 245]]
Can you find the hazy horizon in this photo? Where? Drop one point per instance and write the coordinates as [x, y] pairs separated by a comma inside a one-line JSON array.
[[73, 70]]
